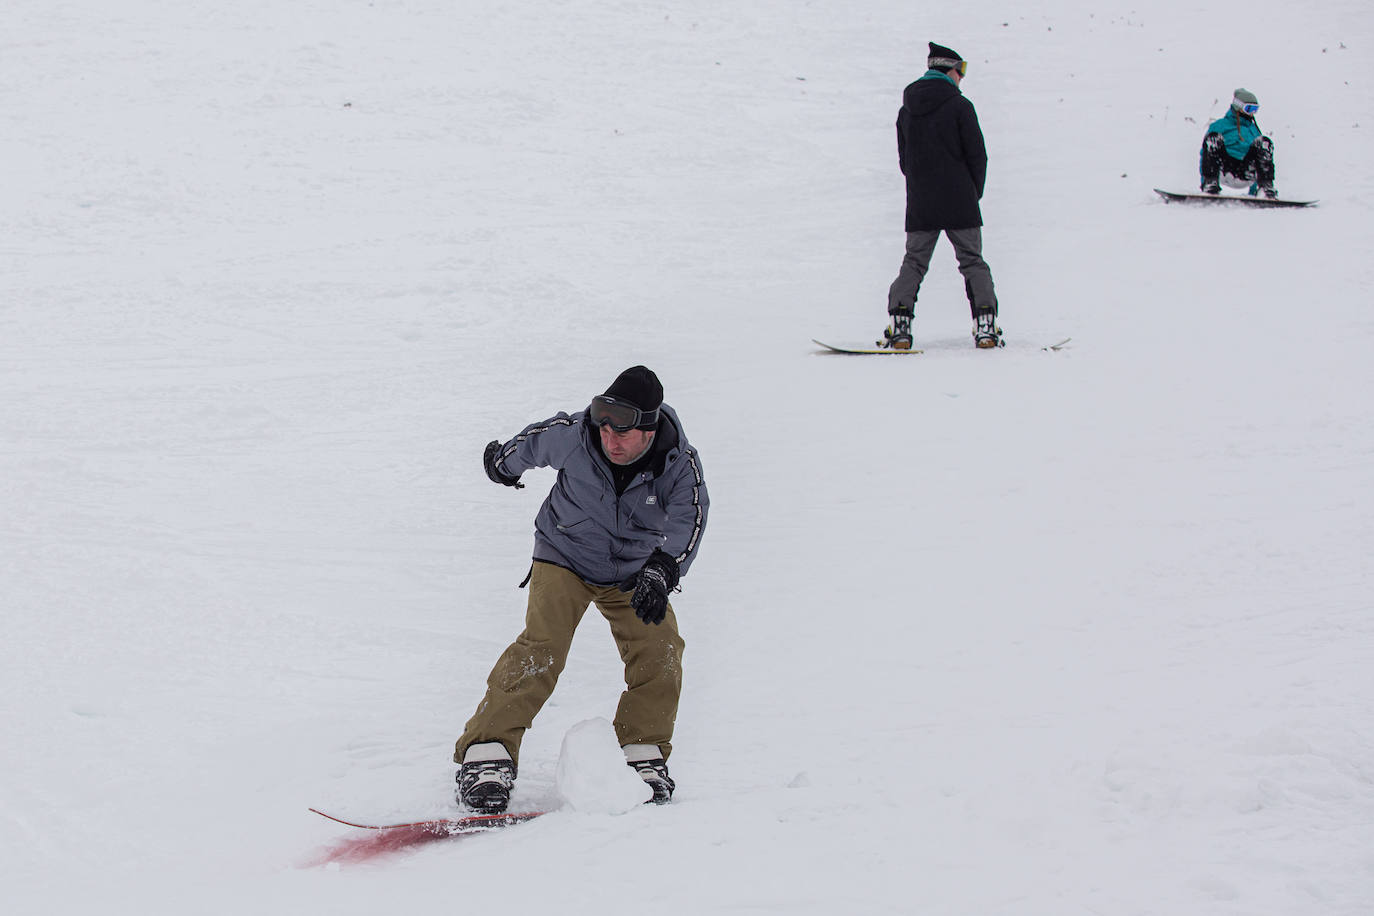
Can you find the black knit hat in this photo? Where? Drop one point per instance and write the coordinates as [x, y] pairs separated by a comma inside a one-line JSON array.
[[942, 58], [639, 386]]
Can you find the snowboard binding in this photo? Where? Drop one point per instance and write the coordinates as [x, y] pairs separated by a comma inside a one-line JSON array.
[[897, 336]]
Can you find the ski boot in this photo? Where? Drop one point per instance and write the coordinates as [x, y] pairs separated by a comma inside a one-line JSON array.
[[986, 333], [1211, 186], [1267, 189], [485, 778], [647, 760], [897, 336]]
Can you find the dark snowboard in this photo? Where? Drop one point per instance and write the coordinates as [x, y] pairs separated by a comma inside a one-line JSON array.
[[1241, 200]]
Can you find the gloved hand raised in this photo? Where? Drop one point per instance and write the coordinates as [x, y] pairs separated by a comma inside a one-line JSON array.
[[651, 585], [489, 462]]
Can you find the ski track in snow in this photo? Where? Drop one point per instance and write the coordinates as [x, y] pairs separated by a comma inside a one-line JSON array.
[[1026, 631]]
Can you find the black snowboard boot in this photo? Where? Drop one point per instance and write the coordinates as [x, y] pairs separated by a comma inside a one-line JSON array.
[[485, 778], [1210, 163], [648, 762], [986, 333], [897, 336]]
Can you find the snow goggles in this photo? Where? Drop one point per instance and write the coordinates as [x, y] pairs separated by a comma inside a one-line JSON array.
[[619, 415], [946, 63], [1250, 108]]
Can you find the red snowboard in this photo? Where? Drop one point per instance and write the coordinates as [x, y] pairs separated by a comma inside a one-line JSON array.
[[390, 838]]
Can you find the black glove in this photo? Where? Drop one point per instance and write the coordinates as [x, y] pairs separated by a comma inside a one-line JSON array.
[[651, 585], [489, 462]]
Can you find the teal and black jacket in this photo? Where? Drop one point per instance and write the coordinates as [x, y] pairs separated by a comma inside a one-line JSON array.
[[1237, 131]]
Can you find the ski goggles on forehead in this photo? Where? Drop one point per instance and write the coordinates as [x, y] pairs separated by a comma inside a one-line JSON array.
[[619, 415]]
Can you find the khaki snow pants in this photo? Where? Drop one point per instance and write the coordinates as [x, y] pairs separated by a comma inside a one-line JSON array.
[[526, 673]]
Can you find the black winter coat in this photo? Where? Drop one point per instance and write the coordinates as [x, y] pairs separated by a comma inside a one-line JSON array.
[[940, 148]]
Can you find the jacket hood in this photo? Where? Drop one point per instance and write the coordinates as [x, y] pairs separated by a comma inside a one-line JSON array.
[[669, 442], [929, 93]]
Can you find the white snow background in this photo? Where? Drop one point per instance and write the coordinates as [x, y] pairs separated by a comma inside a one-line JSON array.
[[1010, 632]]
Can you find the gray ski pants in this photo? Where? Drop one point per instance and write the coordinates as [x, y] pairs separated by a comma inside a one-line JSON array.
[[968, 248]]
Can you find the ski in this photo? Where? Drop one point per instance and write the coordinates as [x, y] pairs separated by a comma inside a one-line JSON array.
[[474, 823], [1244, 201], [865, 351]]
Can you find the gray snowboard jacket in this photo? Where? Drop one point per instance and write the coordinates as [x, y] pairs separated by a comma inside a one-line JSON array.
[[584, 526]]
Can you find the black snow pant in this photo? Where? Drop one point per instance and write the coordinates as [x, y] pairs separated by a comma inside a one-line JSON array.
[[1257, 166]]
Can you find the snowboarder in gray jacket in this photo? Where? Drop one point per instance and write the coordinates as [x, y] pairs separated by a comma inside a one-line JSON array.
[[619, 528]]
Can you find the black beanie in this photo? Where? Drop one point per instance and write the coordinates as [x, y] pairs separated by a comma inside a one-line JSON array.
[[639, 386], [942, 58]]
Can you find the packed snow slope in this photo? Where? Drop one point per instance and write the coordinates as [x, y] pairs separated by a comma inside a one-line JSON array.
[[1012, 632]]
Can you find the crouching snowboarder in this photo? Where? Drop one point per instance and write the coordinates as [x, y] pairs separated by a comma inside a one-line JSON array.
[[1235, 152]]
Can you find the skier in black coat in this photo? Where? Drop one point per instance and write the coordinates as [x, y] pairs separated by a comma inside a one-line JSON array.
[[941, 153]]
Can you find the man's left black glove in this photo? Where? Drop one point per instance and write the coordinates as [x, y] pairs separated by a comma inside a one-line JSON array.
[[651, 585], [489, 458]]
